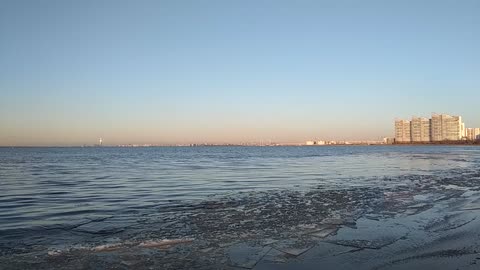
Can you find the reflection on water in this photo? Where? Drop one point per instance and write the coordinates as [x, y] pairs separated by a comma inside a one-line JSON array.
[[42, 186]]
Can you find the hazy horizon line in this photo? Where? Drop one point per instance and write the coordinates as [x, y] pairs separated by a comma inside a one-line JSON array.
[[247, 143]]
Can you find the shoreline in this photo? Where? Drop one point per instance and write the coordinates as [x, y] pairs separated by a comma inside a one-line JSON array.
[[238, 145]]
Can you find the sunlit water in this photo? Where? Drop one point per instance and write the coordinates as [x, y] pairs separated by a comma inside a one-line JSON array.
[[48, 185], [51, 186]]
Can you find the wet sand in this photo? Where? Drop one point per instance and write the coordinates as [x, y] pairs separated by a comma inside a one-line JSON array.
[[428, 222]]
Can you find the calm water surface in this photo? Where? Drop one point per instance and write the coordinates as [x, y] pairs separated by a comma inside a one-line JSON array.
[[45, 186]]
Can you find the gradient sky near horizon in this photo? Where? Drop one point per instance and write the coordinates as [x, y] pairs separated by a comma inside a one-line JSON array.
[[232, 71]]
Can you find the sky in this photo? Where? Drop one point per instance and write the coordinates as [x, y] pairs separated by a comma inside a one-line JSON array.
[[166, 72]]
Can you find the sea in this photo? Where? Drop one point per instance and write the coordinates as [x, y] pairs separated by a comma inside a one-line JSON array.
[[63, 196]]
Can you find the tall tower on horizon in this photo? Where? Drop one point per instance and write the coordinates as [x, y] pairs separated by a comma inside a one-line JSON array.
[[100, 141]]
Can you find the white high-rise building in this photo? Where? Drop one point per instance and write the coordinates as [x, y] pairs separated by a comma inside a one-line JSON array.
[[420, 129], [447, 128], [402, 131], [473, 134], [441, 127]]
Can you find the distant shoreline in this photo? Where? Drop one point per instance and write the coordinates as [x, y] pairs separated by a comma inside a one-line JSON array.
[[278, 145]]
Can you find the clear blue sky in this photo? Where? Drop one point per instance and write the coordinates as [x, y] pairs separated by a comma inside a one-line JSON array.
[[230, 71]]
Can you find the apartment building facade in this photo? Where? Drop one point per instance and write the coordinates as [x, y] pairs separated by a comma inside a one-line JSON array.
[[420, 129], [447, 128], [441, 127], [403, 131], [472, 134]]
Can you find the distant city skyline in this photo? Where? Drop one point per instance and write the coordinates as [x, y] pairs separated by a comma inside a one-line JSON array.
[[180, 72], [438, 128]]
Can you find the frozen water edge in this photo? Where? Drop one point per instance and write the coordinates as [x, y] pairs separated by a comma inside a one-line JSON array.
[[378, 227]]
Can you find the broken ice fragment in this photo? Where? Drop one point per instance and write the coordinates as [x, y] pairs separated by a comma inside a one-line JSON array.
[[54, 252], [293, 248], [245, 256], [324, 233], [108, 247], [166, 243]]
